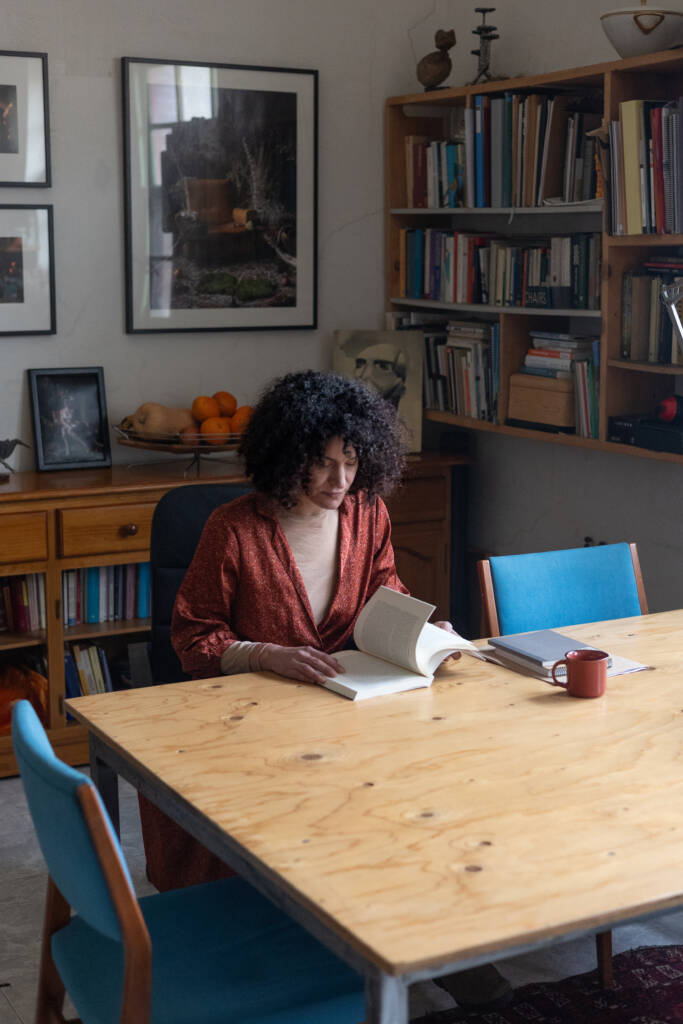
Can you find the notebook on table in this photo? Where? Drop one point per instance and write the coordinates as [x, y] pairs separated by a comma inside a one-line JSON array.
[[537, 651]]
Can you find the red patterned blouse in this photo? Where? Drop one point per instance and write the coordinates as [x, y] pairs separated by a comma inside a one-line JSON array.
[[243, 583]]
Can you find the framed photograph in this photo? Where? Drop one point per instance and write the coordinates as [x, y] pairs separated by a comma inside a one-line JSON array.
[[69, 412], [27, 283], [24, 120], [391, 361], [220, 172]]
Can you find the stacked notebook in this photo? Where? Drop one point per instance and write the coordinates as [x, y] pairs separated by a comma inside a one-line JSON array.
[[536, 652]]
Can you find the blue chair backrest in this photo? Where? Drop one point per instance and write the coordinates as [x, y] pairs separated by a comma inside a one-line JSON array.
[[548, 589], [177, 525], [51, 789]]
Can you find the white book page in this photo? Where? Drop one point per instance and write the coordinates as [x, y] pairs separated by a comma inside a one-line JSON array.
[[389, 627], [434, 644], [367, 676]]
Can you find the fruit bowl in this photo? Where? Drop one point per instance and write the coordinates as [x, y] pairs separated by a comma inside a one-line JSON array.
[[205, 443]]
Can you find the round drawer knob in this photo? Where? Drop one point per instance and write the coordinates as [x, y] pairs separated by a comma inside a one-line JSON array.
[[129, 530]]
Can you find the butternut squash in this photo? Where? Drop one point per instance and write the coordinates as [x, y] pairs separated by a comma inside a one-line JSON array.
[[152, 419]]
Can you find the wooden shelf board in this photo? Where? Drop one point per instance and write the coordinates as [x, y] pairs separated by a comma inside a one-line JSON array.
[[436, 416], [90, 630], [14, 641], [463, 307], [592, 74], [501, 211], [643, 240], [665, 368]]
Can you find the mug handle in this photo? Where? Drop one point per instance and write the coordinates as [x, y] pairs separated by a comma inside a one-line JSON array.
[[556, 681]]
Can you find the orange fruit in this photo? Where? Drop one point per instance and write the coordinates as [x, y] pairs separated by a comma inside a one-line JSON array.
[[241, 418], [190, 435], [227, 403], [204, 407], [215, 429]]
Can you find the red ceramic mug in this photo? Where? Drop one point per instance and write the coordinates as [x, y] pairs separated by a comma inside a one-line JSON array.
[[586, 673]]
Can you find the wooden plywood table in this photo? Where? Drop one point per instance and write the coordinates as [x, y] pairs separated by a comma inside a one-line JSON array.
[[430, 830]]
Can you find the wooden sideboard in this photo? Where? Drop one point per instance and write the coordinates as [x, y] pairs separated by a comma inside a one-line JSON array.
[[53, 522]]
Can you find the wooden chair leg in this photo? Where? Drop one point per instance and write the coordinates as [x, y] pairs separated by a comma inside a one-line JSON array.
[[603, 948], [50, 999]]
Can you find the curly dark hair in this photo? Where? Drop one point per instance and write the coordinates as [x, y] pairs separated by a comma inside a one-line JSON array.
[[299, 413]]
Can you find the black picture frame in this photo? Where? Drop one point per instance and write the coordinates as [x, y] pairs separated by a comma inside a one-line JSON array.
[[69, 413], [220, 195], [27, 274], [24, 120]]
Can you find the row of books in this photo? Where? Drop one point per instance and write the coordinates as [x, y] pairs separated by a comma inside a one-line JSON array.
[[462, 369], [646, 168], [86, 670], [560, 272], [22, 603], [513, 150], [106, 593], [89, 668], [567, 356], [647, 334]]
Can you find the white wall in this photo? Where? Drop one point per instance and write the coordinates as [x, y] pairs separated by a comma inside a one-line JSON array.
[[365, 50]]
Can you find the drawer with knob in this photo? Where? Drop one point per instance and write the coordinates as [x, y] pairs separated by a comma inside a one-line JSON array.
[[105, 529]]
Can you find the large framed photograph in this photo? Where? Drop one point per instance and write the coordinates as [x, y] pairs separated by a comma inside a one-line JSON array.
[[69, 411], [392, 363], [24, 120], [220, 172], [27, 282]]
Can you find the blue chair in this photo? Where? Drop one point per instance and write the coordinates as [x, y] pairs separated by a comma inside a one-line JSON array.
[[201, 955], [551, 589]]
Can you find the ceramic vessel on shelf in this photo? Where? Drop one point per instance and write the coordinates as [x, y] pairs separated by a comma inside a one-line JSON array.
[[637, 30]]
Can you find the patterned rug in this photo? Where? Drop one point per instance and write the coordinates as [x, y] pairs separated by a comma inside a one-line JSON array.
[[648, 989]]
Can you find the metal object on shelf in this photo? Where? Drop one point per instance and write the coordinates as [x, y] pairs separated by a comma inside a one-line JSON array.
[[486, 33], [6, 449], [671, 295]]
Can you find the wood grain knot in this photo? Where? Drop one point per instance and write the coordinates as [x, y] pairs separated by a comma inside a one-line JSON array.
[[216, 686], [427, 814], [311, 757], [236, 718], [473, 867], [437, 718], [368, 784], [486, 842]]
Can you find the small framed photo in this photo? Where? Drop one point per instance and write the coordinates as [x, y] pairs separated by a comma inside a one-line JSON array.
[[220, 173], [391, 362], [69, 413], [27, 281], [24, 120]]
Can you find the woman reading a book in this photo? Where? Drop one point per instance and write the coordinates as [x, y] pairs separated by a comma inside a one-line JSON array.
[[280, 575]]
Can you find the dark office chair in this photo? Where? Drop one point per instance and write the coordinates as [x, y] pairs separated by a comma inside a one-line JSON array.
[[551, 589], [177, 525], [207, 953]]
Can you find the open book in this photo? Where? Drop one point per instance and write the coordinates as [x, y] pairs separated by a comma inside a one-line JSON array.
[[397, 648]]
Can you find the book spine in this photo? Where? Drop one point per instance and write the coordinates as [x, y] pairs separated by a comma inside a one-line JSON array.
[[626, 314], [143, 595]]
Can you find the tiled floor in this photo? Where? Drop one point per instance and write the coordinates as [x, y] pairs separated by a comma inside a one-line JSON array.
[[22, 891]]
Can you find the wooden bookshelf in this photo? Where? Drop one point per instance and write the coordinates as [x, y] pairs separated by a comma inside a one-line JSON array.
[[626, 388]]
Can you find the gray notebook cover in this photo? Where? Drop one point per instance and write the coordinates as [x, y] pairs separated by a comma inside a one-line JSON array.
[[542, 648]]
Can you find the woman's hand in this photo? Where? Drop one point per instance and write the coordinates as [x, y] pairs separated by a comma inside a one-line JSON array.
[[448, 626], [303, 663]]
